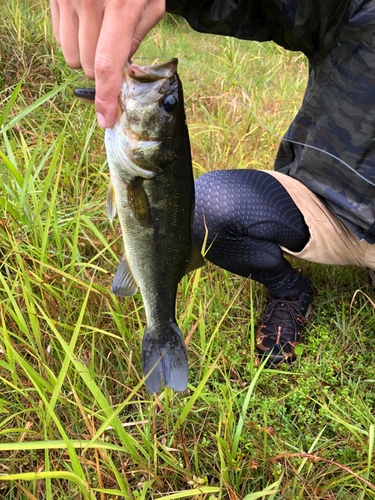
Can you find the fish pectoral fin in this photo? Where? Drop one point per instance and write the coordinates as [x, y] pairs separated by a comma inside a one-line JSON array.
[[124, 284], [111, 202], [138, 202], [196, 259]]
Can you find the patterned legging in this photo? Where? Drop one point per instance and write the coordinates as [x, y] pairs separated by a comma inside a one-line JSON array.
[[248, 215]]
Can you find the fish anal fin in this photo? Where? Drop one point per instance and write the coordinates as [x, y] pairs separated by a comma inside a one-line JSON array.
[[124, 284], [111, 202], [196, 259], [138, 202]]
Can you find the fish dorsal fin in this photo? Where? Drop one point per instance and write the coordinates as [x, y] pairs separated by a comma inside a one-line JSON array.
[[196, 259], [138, 202], [111, 202], [124, 283]]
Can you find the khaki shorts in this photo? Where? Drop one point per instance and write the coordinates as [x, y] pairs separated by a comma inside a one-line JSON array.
[[330, 241]]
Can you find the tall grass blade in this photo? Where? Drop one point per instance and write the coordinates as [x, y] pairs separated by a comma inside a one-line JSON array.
[[35, 476], [32, 107]]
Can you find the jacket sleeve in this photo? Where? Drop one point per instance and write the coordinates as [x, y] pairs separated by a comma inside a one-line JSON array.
[[308, 26]]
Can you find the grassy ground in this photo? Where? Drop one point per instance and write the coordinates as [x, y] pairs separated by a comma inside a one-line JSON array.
[[75, 418]]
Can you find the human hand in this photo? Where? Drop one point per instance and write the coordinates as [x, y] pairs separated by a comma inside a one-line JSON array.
[[100, 36]]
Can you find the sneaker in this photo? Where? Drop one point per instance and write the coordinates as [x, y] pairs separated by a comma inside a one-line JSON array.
[[282, 324]]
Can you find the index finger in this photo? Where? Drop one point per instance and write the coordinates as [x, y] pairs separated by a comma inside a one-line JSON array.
[[112, 53]]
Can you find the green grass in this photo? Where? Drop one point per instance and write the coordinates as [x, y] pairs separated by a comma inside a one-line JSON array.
[[75, 418]]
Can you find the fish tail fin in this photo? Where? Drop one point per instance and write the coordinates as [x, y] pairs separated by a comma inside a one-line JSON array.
[[165, 355]]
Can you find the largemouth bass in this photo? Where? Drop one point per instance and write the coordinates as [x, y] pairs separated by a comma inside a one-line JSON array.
[[152, 190]]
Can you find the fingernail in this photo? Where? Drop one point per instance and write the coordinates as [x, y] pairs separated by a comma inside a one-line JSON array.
[[101, 120]]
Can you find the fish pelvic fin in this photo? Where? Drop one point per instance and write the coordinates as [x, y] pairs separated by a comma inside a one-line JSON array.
[[124, 284], [138, 202], [196, 259], [164, 356], [111, 202]]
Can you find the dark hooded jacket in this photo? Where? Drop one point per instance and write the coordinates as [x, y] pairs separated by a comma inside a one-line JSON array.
[[334, 131]]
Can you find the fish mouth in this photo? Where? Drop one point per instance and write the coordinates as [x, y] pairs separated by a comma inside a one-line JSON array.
[[151, 73], [156, 79], [133, 74]]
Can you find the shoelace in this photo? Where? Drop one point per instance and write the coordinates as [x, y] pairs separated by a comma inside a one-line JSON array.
[[273, 319]]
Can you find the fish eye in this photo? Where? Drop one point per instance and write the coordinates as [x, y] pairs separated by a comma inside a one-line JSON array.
[[169, 103]]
